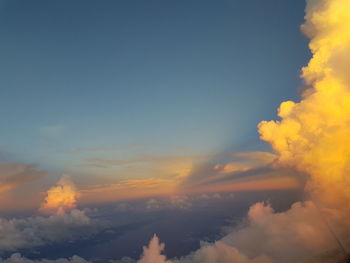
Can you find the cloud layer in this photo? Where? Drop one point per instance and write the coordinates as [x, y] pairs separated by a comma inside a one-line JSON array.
[[14, 174], [65, 224]]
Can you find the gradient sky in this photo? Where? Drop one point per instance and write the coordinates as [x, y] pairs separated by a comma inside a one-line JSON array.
[[120, 80], [125, 118]]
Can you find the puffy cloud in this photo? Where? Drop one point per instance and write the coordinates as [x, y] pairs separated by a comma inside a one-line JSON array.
[[17, 258], [153, 253], [221, 253], [38, 231], [291, 236], [312, 134], [61, 197], [14, 174], [296, 235], [66, 223], [311, 137]]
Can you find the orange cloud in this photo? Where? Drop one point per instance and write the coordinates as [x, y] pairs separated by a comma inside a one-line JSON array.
[[313, 134], [61, 197], [128, 189], [249, 171], [14, 174], [258, 184]]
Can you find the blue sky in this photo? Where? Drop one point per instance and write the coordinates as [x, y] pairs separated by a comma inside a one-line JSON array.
[[121, 79]]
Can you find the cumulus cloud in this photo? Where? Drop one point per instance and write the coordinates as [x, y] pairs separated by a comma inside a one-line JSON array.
[[296, 235], [38, 230], [312, 134], [14, 174], [310, 137], [65, 224], [61, 197], [17, 258], [153, 253], [291, 236], [221, 253]]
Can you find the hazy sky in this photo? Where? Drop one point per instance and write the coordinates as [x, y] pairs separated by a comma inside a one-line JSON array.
[[84, 80]]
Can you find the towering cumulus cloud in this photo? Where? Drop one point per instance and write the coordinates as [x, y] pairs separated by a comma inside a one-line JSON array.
[[65, 224], [313, 135], [152, 253], [61, 197]]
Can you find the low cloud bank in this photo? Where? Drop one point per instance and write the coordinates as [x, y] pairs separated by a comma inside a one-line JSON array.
[[299, 234], [66, 223], [17, 258], [38, 231], [296, 235]]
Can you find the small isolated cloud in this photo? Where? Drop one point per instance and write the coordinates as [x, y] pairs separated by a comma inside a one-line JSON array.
[[14, 174], [61, 197], [153, 253]]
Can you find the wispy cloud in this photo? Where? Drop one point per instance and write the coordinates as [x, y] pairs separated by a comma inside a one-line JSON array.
[[14, 174]]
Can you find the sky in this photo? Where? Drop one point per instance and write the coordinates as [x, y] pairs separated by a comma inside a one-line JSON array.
[[207, 125], [125, 79]]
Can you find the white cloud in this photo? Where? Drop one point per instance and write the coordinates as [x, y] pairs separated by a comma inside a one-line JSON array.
[[38, 231], [17, 258]]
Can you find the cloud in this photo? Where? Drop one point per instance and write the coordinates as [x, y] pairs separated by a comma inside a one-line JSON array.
[[129, 189], [312, 134], [222, 165], [65, 224], [296, 235], [38, 231], [245, 171], [221, 253], [153, 253], [174, 202], [291, 236], [147, 165], [15, 174], [17, 258], [61, 197], [311, 137]]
